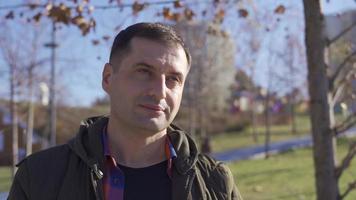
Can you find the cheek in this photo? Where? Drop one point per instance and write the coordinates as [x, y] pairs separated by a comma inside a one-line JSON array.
[[175, 98]]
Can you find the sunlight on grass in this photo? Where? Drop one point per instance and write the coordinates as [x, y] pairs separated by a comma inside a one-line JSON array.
[[5, 179], [286, 176]]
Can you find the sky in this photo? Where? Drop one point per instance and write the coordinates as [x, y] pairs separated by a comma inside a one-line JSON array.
[[79, 63], [337, 6]]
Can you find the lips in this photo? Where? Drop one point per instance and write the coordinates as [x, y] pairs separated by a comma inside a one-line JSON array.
[[156, 108]]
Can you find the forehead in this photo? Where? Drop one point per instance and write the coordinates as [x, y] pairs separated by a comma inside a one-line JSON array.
[[158, 54]]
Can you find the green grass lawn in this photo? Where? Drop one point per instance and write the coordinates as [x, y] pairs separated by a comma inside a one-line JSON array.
[[5, 179], [285, 176], [227, 141]]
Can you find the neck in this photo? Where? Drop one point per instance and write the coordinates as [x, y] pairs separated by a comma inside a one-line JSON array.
[[135, 148]]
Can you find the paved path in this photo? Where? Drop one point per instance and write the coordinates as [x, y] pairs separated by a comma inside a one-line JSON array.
[[3, 195], [259, 151], [277, 147]]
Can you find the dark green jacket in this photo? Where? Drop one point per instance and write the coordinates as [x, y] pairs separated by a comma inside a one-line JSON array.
[[73, 171]]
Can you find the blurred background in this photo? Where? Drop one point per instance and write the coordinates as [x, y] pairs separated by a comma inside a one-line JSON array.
[[246, 101]]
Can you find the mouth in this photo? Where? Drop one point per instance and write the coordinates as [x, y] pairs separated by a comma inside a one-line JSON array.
[[153, 108]]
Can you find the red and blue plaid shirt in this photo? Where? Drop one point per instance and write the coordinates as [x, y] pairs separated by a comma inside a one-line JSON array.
[[114, 178]]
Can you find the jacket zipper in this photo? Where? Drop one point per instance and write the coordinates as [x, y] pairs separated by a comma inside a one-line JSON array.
[[98, 175]]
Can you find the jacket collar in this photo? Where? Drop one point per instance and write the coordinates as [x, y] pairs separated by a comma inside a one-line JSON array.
[[185, 147], [88, 145]]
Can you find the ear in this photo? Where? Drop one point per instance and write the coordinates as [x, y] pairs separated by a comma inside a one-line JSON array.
[[106, 77]]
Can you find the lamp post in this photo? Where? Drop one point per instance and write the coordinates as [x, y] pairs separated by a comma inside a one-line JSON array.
[[52, 85]]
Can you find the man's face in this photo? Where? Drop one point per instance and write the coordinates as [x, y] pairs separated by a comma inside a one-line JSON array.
[[146, 88]]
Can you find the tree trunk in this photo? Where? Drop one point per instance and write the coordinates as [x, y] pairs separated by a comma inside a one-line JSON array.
[[14, 123], [52, 96], [293, 118], [29, 131], [253, 125], [326, 183], [268, 126]]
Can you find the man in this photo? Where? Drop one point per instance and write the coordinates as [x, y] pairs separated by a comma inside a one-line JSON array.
[[135, 152]]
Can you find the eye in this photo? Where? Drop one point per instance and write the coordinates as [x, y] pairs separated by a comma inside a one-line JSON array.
[[173, 80], [143, 73]]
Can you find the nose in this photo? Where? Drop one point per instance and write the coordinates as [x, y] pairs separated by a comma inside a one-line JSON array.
[[158, 89]]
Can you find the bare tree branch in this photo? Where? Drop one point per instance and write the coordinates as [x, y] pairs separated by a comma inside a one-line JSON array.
[[351, 186], [341, 66], [346, 161], [337, 94], [338, 88], [349, 122], [38, 63]]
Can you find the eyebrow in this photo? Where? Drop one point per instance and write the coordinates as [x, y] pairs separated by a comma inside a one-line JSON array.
[[178, 74], [145, 65]]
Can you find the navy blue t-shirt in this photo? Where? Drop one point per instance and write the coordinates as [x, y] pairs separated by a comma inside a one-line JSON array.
[[148, 183]]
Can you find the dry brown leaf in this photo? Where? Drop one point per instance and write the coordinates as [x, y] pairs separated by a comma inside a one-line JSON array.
[[280, 9], [243, 13], [176, 17], [219, 16], [178, 4], [106, 37], [85, 28], [60, 13], [167, 13], [137, 7], [221, 13], [95, 42], [32, 6], [37, 17], [79, 9], [189, 14], [10, 15], [77, 20]]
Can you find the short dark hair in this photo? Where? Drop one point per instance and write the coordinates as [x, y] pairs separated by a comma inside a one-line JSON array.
[[152, 31]]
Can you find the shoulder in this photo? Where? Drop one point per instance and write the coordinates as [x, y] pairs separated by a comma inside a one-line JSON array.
[[51, 156], [40, 171], [44, 165], [212, 168], [217, 178]]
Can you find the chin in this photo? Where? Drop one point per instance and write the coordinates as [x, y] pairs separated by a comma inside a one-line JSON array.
[[154, 126]]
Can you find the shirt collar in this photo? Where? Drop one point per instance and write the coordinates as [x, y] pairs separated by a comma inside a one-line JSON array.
[[169, 149]]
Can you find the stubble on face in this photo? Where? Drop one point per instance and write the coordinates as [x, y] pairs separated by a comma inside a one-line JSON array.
[[142, 89]]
